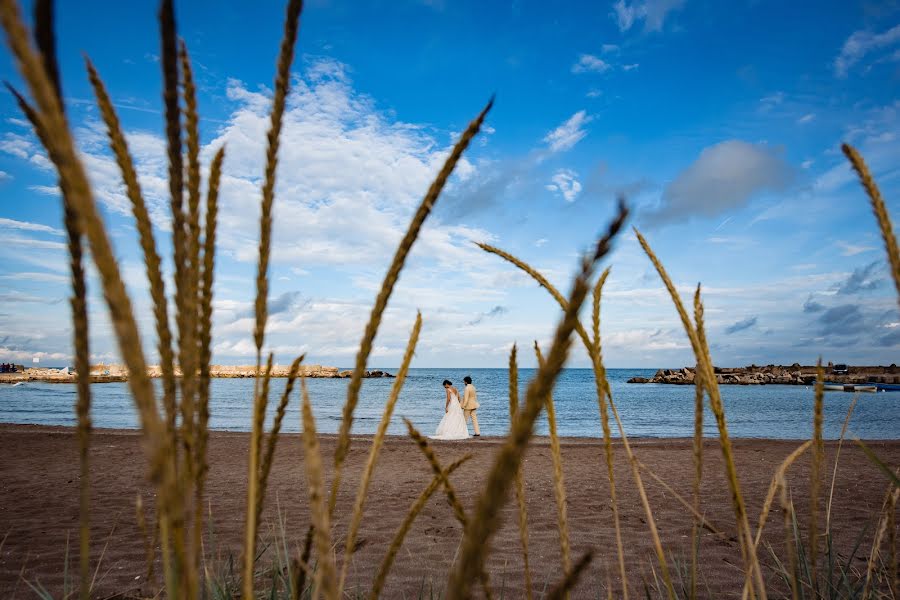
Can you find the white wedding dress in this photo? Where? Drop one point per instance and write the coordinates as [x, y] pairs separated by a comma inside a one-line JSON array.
[[453, 425]]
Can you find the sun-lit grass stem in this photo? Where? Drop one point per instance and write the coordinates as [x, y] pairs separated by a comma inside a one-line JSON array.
[[384, 294], [879, 208], [570, 579], [144, 225], [388, 561], [205, 340], [815, 477], [375, 449], [73, 180], [188, 319], [83, 403], [458, 511], [282, 87], [559, 486], [701, 352], [520, 480], [45, 38], [697, 453], [272, 439], [438, 471], [486, 518], [260, 402], [325, 576], [595, 313]]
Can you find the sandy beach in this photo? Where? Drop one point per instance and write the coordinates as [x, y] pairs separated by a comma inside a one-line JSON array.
[[39, 500]]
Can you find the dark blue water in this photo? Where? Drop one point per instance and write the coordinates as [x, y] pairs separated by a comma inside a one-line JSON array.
[[647, 410]]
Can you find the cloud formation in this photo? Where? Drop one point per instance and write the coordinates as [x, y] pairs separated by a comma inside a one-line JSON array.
[[653, 13], [590, 63], [724, 177], [569, 133], [863, 279], [861, 43], [494, 312], [741, 325], [566, 184]]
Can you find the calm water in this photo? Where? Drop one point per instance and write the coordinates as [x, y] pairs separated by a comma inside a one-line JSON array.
[[646, 410]]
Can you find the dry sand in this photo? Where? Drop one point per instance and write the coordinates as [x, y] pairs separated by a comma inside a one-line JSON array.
[[39, 508]]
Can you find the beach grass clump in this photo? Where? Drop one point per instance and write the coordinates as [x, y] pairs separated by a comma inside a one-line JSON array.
[[175, 425]]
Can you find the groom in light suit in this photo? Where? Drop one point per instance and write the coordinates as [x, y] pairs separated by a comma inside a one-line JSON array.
[[470, 404]]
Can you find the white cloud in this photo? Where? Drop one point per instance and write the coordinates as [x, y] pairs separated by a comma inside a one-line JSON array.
[[27, 226], [4, 176], [565, 183], [652, 12], [848, 249], [807, 118], [861, 43], [725, 176], [569, 133], [609, 48], [630, 67], [32, 243], [590, 63], [541, 242]]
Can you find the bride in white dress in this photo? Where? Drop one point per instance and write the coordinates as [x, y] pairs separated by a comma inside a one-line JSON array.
[[453, 425]]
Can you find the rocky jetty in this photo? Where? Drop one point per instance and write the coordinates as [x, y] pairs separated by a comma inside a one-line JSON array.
[[110, 373], [777, 374]]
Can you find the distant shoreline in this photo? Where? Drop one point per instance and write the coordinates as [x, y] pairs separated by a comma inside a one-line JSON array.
[[118, 373]]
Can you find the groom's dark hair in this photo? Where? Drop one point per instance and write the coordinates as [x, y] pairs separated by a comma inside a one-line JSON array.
[[467, 379], [447, 382]]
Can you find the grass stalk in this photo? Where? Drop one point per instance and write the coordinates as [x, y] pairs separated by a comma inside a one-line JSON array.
[[205, 339], [697, 448], [377, 441], [815, 480], [388, 561], [325, 579], [880, 210], [384, 294], [559, 486], [520, 481], [282, 85], [272, 439], [144, 225], [73, 180]]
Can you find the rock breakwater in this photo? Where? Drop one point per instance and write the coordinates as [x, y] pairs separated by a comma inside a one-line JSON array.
[[795, 374]]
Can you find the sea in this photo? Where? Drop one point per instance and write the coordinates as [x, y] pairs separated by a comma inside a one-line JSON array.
[[646, 410]]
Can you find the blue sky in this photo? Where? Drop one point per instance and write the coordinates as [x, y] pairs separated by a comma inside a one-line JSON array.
[[720, 122]]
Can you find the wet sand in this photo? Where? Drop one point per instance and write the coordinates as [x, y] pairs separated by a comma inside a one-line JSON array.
[[39, 509]]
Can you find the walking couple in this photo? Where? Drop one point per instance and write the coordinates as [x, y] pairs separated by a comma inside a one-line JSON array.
[[454, 425]]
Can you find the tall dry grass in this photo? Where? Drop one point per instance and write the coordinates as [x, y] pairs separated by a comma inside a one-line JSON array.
[[175, 426]]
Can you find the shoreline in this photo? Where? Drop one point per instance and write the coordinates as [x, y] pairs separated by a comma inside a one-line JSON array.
[[494, 440]]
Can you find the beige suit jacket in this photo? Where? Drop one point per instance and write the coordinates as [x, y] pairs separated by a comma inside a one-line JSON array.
[[470, 398]]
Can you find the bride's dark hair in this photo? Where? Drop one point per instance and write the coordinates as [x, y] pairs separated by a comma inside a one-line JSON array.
[[447, 382]]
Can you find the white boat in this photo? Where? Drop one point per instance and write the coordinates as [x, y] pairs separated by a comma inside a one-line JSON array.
[[850, 387]]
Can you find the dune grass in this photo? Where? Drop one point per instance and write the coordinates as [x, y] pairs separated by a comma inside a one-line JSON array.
[[175, 426]]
